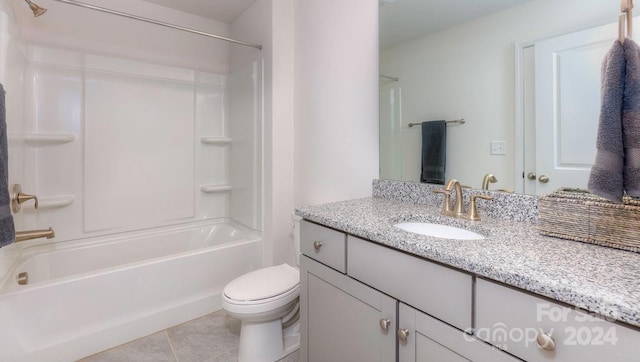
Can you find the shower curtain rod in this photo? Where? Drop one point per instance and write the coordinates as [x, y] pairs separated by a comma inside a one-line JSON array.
[[161, 23]]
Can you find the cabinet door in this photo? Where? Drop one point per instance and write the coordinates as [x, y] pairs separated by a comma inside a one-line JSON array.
[[341, 318], [426, 339]]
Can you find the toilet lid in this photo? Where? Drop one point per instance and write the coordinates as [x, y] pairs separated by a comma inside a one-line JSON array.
[[263, 283]]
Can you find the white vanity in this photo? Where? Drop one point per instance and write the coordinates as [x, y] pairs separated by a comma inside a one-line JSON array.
[[367, 295]]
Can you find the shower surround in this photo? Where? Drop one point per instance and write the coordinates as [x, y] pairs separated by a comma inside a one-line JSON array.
[[139, 158]]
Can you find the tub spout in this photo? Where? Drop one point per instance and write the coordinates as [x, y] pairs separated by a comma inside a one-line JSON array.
[[34, 234]]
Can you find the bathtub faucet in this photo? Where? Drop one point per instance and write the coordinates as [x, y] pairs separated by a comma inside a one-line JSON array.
[[34, 234]]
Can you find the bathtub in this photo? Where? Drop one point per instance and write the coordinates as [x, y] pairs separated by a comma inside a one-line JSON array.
[[86, 296]]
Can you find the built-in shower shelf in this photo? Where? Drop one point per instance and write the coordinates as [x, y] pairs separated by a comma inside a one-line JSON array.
[[208, 189], [215, 140], [49, 138], [53, 201]]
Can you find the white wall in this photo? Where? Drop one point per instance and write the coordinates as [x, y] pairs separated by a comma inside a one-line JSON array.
[[468, 72], [270, 23], [68, 26], [279, 177], [336, 99]]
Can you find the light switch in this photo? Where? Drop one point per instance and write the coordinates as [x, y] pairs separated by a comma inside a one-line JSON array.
[[498, 147]]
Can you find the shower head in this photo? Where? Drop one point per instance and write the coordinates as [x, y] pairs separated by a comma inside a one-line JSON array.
[[37, 10]]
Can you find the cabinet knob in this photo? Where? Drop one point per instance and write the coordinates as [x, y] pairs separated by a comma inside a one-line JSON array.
[[403, 334], [546, 342], [532, 175], [543, 178], [385, 323], [317, 245]]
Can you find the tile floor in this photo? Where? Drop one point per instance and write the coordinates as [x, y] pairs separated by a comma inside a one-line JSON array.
[[212, 338]]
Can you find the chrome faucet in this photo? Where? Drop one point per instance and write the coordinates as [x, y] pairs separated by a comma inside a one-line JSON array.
[[34, 234], [457, 210]]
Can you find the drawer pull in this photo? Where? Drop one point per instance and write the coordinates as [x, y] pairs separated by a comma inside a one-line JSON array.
[[317, 245], [403, 334], [546, 342], [385, 323]]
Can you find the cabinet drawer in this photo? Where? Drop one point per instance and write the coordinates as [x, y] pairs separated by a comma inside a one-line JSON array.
[[434, 289], [513, 320], [325, 245]]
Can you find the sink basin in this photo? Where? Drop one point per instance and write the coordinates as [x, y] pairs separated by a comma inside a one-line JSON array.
[[439, 231]]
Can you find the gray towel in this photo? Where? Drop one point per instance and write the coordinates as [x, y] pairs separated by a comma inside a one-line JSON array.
[[631, 119], [606, 178], [7, 229], [434, 149]]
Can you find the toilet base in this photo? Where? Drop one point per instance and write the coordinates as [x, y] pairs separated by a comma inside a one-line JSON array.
[[267, 341]]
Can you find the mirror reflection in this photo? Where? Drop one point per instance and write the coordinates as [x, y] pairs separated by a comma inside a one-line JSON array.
[[524, 75]]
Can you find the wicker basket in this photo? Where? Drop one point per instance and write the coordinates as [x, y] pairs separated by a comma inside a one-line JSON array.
[[576, 214]]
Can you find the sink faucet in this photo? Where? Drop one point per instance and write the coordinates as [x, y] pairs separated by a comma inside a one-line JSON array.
[[457, 210], [488, 178], [448, 208]]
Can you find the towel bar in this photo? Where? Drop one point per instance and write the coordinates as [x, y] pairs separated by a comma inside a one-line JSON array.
[[460, 121]]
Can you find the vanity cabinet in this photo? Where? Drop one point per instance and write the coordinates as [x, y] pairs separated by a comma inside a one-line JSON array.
[[536, 329], [362, 301], [350, 309]]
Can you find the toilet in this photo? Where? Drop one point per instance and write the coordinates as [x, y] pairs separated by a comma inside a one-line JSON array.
[[266, 301]]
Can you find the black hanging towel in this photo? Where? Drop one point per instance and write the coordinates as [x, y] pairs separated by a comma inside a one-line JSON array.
[[434, 152]]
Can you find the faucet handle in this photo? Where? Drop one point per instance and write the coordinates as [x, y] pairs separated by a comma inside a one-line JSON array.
[[473, 210], [446, 203], [18, 198]]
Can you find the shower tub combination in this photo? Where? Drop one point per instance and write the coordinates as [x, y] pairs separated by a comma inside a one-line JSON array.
[[87, 296]]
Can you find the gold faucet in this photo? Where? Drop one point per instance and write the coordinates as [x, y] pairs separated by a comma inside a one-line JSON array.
[[448, 208], [18, 197], [34, 234], [457, 210], [488, 178]]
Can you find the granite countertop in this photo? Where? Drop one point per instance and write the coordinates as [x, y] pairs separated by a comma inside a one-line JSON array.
[[594, 278]]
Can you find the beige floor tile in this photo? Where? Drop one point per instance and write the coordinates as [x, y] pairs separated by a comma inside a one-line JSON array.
[[213, 337], [154, 348]]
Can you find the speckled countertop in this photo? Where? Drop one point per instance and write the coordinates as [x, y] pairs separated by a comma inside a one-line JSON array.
[[598, 279]]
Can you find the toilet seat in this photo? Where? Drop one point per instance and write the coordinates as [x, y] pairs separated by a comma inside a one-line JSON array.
[[260, 286], [264, 291]]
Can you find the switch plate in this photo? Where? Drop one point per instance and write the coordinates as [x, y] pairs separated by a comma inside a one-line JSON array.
[[498, 147]]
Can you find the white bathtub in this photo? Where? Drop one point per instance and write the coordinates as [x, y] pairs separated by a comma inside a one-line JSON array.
[[84, 297]]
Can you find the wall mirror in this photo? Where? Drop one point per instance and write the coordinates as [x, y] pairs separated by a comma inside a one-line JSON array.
[[499, 65]]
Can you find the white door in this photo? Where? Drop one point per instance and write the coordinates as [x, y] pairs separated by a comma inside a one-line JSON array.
[[567, 107]]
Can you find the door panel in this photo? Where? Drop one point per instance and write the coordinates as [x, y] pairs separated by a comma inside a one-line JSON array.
[[567, 106]]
